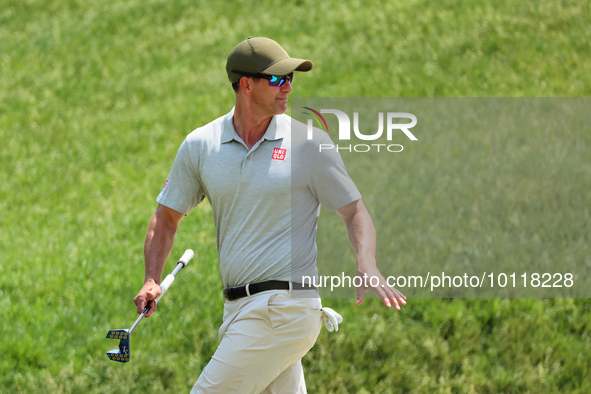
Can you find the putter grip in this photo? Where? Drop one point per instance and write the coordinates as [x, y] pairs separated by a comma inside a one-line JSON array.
[[169, 280], [188, 255], [165, 285]]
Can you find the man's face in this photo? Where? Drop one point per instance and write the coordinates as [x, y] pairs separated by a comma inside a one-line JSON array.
[[270, 100]]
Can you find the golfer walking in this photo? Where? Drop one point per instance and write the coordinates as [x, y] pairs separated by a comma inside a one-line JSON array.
[[242, 163]]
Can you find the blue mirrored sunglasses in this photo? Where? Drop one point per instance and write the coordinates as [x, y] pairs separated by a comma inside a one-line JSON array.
[[274, 80]]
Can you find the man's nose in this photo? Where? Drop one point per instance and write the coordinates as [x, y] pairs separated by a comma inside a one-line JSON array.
[[286, 87]]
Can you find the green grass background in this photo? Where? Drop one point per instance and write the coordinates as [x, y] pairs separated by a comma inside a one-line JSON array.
[[95, 98]]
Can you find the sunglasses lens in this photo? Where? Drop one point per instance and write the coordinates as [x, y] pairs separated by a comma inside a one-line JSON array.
[[276, 80]]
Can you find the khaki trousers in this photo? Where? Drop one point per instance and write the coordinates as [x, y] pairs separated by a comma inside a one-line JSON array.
[[262, 340]]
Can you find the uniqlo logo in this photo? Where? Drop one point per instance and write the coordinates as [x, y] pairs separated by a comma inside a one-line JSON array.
[[279, 154]]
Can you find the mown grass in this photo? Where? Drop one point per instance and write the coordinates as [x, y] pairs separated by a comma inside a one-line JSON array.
[[95, 99]]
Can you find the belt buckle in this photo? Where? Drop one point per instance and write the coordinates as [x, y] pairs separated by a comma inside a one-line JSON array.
[[228, 294]]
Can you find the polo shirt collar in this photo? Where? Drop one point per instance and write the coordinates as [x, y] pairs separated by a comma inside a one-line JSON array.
[[228, 131], [274, 130]]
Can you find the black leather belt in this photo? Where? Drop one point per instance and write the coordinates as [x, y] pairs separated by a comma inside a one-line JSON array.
[[234, 293]]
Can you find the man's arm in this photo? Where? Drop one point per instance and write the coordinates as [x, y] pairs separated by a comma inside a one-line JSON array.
[[157, 248], [362, 236]]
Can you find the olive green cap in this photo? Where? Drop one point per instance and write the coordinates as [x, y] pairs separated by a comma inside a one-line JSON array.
[[264, 56]]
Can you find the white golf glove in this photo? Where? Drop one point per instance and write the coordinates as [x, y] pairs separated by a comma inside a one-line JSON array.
[[331, 319]]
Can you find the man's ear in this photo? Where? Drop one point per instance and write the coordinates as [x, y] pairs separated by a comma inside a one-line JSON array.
[[246, 85]]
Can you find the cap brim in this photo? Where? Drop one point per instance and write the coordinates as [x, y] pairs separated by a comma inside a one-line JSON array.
[[287, 66]]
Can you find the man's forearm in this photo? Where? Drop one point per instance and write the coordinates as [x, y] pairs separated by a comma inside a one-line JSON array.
[[362, 234], [157, 248]]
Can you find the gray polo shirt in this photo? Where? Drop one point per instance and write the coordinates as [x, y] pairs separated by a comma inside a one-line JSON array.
[[265, 212]]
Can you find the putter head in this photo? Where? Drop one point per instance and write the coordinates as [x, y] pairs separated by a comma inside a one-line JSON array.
[[121, 354]]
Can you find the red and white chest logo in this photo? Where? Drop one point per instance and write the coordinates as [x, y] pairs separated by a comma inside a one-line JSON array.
[[279, 154]]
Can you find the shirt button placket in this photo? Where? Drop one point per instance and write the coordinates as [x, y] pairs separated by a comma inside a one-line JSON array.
[[245, 162]]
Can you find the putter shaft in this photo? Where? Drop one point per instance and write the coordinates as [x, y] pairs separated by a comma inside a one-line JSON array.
[[140, 317], [123, 353]]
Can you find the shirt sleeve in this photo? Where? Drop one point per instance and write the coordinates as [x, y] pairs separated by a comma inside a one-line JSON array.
[[182, 190], [329, 180]]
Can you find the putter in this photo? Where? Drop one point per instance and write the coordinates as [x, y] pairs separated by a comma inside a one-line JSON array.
[[122, 354]]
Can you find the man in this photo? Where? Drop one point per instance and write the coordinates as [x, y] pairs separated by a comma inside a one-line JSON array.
[[242, 163]]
